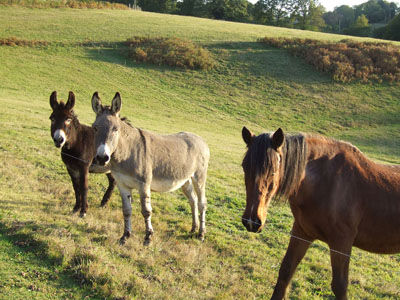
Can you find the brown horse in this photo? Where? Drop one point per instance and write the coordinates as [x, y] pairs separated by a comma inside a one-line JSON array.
[[336, 194], [77, 153]]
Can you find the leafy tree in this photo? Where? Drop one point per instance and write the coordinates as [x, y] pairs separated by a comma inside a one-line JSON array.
[[331, 19], [346, 16], [195, 8], [230, 10], [391, 31], [162, 6], [360, 27], [273, 12]]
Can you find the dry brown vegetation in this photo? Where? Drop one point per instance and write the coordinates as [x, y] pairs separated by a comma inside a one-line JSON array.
[[346, 60], [173, 52], [13, 41], [64, 4]]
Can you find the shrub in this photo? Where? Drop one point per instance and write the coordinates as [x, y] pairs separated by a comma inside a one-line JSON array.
[[346, 60], [169, 51], [13, 41]]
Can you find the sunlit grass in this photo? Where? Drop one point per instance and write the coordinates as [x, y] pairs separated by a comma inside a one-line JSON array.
[[253, 86]]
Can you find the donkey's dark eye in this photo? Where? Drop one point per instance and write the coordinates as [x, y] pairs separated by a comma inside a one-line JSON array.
[[68, 121], [52, 120], [115, 129], [95, 128]]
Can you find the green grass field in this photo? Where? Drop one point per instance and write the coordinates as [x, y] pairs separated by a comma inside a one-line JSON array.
[[48, 253]]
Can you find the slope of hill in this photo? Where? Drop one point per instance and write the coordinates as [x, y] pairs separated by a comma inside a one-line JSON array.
[[262, 88]]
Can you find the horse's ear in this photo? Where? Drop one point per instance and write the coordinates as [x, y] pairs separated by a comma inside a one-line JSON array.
[[247, 136], [277, 139], [96, 103], [116, 103], [53, 100], [71, 101]]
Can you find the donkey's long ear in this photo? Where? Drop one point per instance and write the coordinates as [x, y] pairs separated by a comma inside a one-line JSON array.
[[277, 139], [53, 100], [96, 103], [71, 101], [247, 136], [116, 104]]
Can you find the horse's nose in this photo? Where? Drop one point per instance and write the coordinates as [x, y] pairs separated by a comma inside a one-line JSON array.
[[252, 225]]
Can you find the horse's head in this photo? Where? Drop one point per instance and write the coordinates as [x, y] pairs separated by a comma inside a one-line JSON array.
[[107, 127], [262, 173], [61, 118]]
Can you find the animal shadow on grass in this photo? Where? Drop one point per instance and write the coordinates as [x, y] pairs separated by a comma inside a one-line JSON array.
[[38, 261]]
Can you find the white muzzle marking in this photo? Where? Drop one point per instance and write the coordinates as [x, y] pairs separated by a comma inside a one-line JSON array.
[[103, 150], [59, 135]]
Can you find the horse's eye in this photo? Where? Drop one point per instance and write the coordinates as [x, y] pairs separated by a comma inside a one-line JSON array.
[[68, 121], [95, 128], [115, 129]]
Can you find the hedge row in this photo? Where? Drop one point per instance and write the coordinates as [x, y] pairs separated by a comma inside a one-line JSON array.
[[346, 60]]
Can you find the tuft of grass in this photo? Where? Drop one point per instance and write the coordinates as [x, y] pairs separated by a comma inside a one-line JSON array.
[[346, 60], [174, 52]]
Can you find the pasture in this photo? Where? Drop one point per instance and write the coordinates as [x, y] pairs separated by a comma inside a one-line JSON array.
[[46, 252]]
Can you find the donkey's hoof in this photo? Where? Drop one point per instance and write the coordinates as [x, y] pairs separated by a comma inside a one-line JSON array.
[[124, 238], [148, 238], [75, 210], [201, 236], [146, 242], [194, 230]]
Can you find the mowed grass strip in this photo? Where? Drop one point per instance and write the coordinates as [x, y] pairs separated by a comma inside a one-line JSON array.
[[253, 86]]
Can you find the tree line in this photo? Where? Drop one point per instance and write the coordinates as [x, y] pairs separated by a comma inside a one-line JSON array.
[[377, 18]]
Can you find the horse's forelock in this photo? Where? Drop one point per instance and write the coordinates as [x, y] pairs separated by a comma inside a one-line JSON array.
[[260, 161]]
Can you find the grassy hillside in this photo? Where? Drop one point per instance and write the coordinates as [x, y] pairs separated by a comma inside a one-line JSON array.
[[262, 88]]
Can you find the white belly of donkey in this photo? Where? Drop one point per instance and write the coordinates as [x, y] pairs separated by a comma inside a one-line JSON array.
[[166, 185]]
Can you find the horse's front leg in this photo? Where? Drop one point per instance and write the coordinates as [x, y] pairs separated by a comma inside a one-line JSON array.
[[146, 212], [294, 254], [126, 196], [340, 260]]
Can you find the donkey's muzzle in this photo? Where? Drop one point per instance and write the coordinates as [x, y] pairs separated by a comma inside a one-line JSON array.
[[58, 141], [102, 159], [252, 225]]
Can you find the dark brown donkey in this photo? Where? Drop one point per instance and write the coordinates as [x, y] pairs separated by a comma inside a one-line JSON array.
[[78, 150], [336, 194]]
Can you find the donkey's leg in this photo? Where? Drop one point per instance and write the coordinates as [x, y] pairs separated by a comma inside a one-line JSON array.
[[199, 182], [75, 183], [340, 267], [111, 185], [294, 254], [189, 192], [146, 212], [83, 186], [126, 196]]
